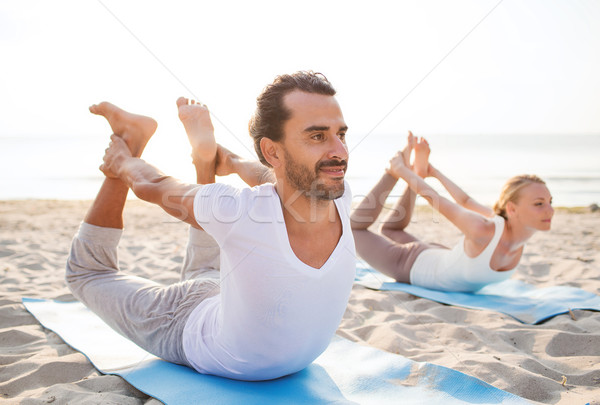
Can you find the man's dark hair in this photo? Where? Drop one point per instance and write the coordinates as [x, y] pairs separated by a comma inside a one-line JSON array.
[[270, 114]]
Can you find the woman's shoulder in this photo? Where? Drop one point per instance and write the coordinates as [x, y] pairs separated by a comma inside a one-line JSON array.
[[484, 229]]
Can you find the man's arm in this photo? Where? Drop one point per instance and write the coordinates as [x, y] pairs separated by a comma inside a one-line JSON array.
[[149, 183], [252, 172]]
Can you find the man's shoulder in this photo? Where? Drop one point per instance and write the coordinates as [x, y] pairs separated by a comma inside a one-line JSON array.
[[232, 198], [227, 204], [231, 190]]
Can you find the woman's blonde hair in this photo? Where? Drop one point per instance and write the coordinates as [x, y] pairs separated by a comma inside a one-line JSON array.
[[511, 191]]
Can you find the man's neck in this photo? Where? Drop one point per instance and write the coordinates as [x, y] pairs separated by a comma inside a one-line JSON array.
[[314, 228], [303, 211]]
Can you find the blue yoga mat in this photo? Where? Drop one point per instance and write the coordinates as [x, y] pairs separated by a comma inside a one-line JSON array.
[[346, 373], [520, 300]]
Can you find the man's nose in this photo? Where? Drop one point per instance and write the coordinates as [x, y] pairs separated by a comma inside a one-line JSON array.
[[338, 149]]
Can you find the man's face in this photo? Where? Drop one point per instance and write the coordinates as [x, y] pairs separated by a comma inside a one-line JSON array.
[[314, 145]]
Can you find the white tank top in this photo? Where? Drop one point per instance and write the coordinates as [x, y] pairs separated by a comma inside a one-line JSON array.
[[453, 270]]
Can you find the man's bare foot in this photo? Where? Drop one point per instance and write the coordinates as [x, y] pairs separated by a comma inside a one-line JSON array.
[[199, 128], [410, 144], [117, 151], [136, 130], [421, 163]]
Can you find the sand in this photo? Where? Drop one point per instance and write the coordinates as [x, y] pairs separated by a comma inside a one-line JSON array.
[[532, 361]]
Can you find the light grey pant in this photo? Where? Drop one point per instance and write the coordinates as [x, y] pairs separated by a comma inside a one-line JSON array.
[[150, 314]]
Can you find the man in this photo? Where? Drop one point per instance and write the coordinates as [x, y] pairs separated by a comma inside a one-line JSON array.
[[287, 258]]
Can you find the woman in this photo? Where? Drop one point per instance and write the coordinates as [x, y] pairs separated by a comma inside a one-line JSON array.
[[493, 239]]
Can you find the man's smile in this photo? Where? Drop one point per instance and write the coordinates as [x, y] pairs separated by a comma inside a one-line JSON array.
[[333, 168]]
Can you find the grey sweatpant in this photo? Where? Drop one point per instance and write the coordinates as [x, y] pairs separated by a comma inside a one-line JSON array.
[[150, 314]]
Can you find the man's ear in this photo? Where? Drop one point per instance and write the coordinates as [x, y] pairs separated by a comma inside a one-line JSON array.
[[271, 152]]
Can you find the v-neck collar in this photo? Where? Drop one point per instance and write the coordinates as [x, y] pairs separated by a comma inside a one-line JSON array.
[[284, 239]]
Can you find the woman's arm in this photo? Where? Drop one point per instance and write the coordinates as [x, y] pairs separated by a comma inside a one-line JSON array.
[[474, 225], [462, 198]]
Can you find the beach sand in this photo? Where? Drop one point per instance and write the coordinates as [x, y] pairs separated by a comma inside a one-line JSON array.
[[531, 361]]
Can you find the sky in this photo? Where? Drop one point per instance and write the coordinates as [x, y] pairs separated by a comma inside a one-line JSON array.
[[433, 66]]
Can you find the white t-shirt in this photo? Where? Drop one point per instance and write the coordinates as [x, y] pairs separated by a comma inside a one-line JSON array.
[[275, 314]]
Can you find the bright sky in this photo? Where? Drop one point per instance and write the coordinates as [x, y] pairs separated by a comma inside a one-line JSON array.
[[437, 66]]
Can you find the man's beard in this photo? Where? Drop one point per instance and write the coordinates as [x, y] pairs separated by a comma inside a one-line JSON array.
[[308, 182]]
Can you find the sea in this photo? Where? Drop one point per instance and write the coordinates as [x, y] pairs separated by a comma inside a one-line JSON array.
[[66, 168]]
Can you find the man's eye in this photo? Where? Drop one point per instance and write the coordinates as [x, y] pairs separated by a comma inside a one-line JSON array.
[[317, 137]]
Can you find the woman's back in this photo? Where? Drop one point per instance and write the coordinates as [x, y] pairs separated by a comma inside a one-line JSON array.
[[454, 270]]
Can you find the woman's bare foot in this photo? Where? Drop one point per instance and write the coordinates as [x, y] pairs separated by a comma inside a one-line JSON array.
[[421, 164], [199, 128], [136, 130]]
